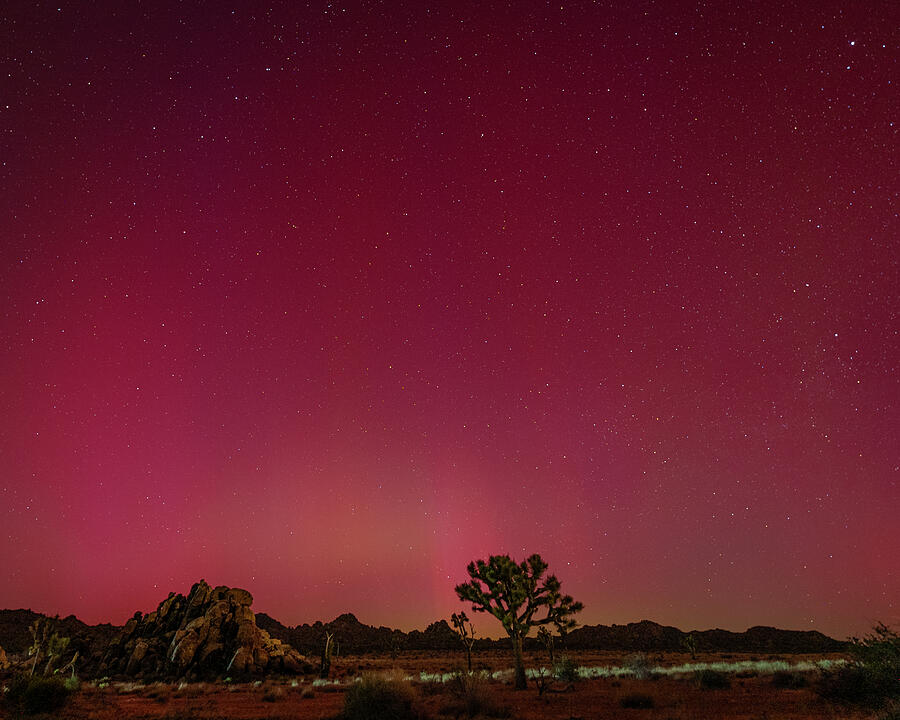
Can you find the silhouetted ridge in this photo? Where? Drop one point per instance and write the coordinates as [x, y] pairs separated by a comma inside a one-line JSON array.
[[202, 635]]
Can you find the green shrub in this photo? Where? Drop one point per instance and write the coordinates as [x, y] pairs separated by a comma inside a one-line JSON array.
[[639, 665], [637, 700], [31, 695], [565, 669], [872, 679], [712, 679], [375, 697]]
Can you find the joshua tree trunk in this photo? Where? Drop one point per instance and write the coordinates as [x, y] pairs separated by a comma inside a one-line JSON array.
[[521, 682], [469, 657], [326, 655]]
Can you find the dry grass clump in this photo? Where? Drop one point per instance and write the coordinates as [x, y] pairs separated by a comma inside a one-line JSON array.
[[712, 680], [159, 692], [789, 680], [189, 690], [377, 697], [471, 696], [273, 693]]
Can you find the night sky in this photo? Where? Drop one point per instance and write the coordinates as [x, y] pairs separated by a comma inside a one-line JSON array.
[[325, 300]]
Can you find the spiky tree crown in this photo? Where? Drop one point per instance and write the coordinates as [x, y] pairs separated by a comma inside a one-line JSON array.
[[516, 593]]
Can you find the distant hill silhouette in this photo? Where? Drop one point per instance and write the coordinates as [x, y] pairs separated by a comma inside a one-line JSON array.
[[647, 635], [354, 637], [15, 636]]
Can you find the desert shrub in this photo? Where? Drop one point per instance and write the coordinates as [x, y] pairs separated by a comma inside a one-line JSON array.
[[127, 688], [637, 700], [160, 692], [712, 679], [565, 669], [872, 679], [891, 712], [31, 695], [788, 680], [273, 694], [378, 698], [542, 680], [186, 690], [471, 696], [72, 683], [847, 685], [639, 665]]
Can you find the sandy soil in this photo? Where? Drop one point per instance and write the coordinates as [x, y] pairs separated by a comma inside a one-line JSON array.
[[751, 698]]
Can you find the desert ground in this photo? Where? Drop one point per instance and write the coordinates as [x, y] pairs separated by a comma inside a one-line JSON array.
[[751, 696]]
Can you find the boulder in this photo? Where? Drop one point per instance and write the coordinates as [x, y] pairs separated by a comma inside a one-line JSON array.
[[240, 597], [182, 653], [241, 662], [209, 633], [4, 661], [137, 657], [210, 652]]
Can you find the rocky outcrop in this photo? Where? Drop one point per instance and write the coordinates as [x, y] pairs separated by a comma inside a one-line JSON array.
[[209, 633], [4, 661]]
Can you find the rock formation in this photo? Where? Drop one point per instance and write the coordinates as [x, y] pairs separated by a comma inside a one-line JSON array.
[[210, 632], [4, 663]]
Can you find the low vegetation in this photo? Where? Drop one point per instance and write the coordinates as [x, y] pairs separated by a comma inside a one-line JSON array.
[[30, 695], [789, 680], [376, 697], [565, 669], [471, 696], [872, 678], [712, 679]]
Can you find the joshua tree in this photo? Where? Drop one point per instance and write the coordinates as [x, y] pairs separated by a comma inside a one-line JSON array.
[[546, 638], [690, 644], [69, 665], [326, 655], [515, 594], [40, 631], [46, 643], [56, 646], [466, 633], [396, 644]]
